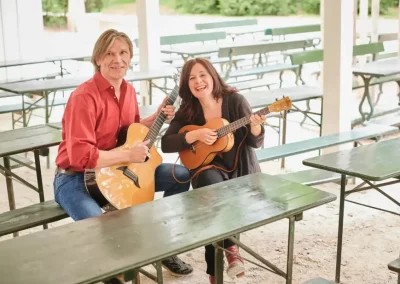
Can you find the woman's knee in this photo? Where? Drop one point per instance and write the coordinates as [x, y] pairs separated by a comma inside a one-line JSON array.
[[208, 177]]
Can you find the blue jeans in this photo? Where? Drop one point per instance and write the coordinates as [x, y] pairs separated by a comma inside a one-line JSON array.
[[70, 191]]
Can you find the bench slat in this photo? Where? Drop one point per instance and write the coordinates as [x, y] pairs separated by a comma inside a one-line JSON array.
[[395, 265], [30, 216], [392, 120], [311, 177], [295, 148], [16, 160]]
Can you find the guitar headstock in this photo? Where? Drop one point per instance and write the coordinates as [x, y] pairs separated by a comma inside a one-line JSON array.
[[280, 105]]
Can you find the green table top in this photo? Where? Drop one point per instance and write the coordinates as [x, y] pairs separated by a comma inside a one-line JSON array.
[[258, 99], [96, 248], [378, 68], [27, 139], [375, 162], [73, 82]]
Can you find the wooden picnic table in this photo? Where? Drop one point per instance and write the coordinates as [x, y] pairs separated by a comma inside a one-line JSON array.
[[21, 141], [376, 162], [375, 69], [140, 235], [260, 99], [38, 60], [46, 87]]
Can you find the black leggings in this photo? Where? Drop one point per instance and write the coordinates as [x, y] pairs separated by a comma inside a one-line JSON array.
[[208, 177]]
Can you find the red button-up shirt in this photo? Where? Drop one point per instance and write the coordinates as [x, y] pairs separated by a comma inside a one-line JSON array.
[[91, 121]]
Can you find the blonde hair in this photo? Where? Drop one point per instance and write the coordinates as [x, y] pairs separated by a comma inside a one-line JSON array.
[[105, 40]]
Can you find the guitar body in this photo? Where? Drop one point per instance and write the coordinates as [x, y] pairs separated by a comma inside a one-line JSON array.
[[128, 184], [201, 154]]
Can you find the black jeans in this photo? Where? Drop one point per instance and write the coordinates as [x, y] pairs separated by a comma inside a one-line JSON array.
[[208, 177]]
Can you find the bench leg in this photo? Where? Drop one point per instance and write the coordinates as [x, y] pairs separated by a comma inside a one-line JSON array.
[[10, 188], [284, 124], [39, 179], [219, 264], [289, 267]]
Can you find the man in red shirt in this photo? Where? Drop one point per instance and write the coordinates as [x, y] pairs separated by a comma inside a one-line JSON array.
[[94, 114]]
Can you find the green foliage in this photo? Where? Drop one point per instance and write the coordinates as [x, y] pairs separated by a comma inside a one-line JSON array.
[[311, 6], [197, 7], [256, 7], [94, 5]]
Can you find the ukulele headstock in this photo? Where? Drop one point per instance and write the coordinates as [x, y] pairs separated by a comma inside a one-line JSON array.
[[283, 104]]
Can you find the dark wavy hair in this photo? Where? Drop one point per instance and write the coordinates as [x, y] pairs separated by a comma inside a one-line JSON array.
[[190, 105]]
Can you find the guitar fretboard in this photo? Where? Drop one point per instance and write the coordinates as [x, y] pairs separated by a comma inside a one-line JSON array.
[[160, 119], [225, 130]]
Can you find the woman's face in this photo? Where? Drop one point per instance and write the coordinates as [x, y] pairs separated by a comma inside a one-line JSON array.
[[200, 82]]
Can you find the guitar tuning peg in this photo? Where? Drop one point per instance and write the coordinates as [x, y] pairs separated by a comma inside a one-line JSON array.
[[276, 99]]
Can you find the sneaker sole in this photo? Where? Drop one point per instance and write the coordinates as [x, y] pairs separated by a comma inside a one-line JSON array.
[[235, 271], [173, 273]]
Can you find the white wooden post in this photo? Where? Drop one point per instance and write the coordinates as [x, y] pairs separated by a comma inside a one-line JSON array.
[[148, 13], [21, 33], [76, 13], [337, 74], [375, 7]]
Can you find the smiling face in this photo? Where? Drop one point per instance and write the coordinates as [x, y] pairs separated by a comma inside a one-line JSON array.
[[115, 62], [200, 82]]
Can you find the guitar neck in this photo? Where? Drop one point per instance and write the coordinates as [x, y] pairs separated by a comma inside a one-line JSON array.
[[231, 127], [160, 119]]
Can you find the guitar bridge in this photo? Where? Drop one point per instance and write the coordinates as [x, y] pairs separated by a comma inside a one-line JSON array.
[[129, 174]]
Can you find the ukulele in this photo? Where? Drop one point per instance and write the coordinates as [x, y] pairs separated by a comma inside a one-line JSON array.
[[201, 154], [127, 184]]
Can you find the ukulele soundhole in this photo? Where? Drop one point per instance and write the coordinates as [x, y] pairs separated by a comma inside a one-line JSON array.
[[128, 173]]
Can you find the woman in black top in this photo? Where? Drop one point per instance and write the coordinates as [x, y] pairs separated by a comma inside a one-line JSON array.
[[206, 96]]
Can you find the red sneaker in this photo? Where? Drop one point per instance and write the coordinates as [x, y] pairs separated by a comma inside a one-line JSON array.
[[235, 262]]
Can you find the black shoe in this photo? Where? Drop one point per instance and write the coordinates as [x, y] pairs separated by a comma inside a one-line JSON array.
[[176, 266], [114, 281]]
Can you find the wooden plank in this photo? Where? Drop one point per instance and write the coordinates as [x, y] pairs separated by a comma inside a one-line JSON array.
[[374, 162], [378, 68], [264, 47], [28, 138], [293, 30], [70, 83], [311, 177], [226, 24], [137, 236], [30, 216], [259, 99], [322, 142], [16, 160]]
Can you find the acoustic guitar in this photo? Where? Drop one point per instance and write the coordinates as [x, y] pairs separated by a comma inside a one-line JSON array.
[[201, 154], [129, 184]]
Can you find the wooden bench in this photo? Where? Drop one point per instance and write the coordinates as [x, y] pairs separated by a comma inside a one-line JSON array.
[[17, 161], [30, 216], [259, 50], [17, 109], [292, 30], [189, 38], [315, 176], [226, 24], [395, 266], [385, 38], [317, 56]]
